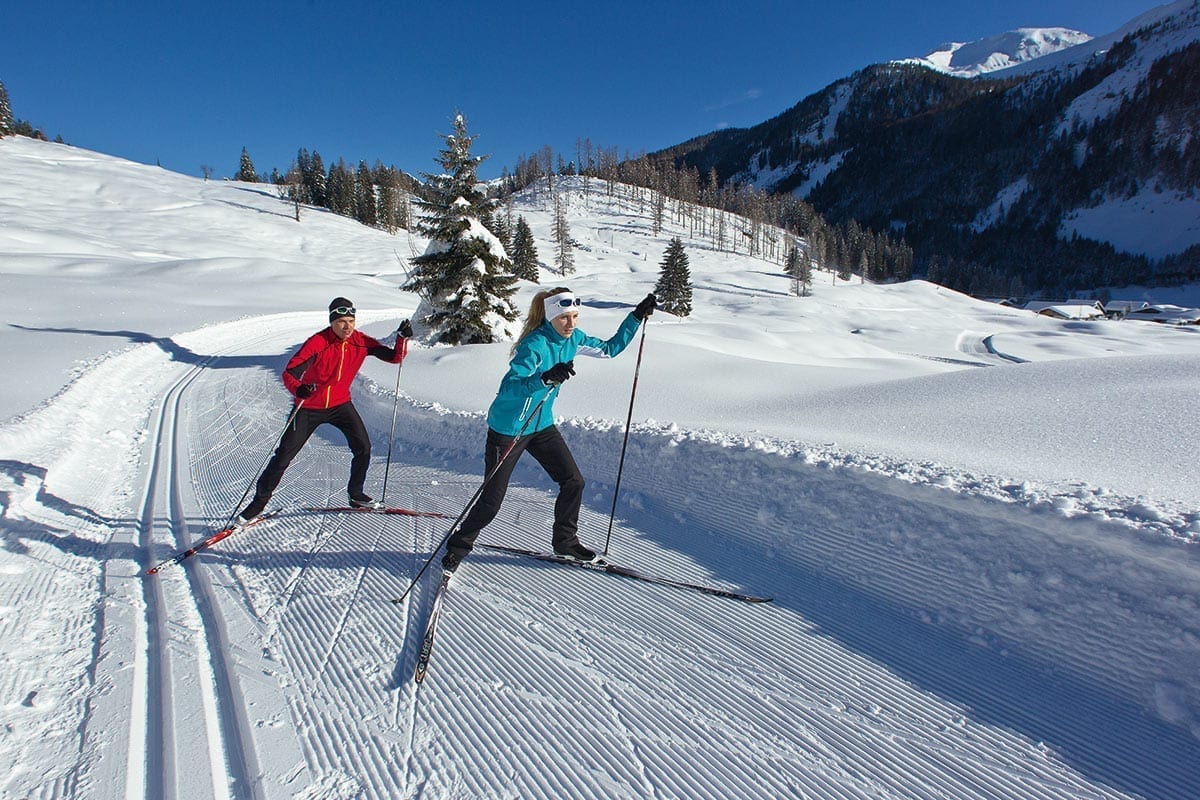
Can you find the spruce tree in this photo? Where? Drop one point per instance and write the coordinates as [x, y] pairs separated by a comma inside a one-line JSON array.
[[313, 169], [388, 182], [799, 267], [524, 252], [365, 208], [246, 169], [674, 287], [340, 189], [7, 124], [498, 224], [463, 277]]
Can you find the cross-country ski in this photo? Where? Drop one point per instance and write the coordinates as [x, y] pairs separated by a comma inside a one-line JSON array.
[[204, 544], [603, 565], [395, 510], [431, 627]]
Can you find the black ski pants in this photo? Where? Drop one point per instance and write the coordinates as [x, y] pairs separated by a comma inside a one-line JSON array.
[[551, 451], [346, 419]]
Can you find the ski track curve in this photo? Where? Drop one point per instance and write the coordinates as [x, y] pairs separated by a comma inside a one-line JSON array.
[[982, 345], [912, 650]]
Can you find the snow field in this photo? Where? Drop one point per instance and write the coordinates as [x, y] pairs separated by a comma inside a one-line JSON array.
[[973, 596]]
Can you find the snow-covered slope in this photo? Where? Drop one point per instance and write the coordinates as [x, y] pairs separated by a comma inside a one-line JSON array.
[[977, 526], [970, 59]]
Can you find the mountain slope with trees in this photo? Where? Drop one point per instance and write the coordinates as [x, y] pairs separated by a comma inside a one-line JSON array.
[[982, 176]]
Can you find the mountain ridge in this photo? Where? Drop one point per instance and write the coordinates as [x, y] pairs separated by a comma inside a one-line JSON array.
[[1002, 177], [983, 56]]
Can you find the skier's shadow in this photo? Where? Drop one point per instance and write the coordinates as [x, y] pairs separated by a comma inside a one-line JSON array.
[[176, 351], [419, 607], [15, 478]]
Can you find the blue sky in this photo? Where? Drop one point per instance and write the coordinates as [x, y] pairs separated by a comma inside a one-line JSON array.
[[186, 84]]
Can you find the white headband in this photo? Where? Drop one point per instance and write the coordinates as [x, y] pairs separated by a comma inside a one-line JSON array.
[[559, 304]]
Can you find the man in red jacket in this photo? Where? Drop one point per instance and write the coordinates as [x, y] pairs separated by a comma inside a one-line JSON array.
[[319, 375]]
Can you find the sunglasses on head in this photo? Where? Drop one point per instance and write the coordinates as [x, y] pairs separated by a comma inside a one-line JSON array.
[[343, 311], [568, 302]]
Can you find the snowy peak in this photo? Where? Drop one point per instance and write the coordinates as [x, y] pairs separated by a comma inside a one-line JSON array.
[[967, 60]]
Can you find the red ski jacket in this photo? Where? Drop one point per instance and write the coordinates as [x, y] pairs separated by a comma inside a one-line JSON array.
[[331, 364]]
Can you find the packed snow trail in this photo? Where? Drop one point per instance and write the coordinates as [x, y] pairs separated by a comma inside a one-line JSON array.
[[704, 700], [922, 642]]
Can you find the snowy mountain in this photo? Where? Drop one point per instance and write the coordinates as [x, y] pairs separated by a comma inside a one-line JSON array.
[[1163, 30], [979, 526], [971, 59], [1073, 170]]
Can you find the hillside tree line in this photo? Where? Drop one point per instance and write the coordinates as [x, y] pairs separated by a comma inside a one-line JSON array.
[[735, 218]]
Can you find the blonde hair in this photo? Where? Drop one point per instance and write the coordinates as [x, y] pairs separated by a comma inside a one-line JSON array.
[[536, 315]]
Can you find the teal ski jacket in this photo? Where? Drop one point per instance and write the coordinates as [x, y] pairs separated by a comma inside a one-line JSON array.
[[521, 388]]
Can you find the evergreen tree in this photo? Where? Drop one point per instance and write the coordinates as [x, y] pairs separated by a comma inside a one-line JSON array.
[[463, 276], [524, 252], [7, 124], [674, 287], [365, 209], [799, 267], [246, 169], [388, 181], [340, 188], [498, 224], [312, 169]]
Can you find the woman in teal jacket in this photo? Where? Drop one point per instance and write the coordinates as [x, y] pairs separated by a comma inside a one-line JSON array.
[[522, 417]]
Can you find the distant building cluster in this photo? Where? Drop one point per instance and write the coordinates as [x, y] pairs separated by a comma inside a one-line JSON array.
[[1112, 309]]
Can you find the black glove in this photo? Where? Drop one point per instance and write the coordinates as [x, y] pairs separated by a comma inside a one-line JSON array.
[[558, 373], [645, 308], [306, 390], [405, 330]]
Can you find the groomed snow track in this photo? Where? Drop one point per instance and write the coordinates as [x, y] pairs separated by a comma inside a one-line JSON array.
[[912, 649]]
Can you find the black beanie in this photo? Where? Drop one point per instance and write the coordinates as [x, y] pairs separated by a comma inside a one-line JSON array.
[[340, 302]]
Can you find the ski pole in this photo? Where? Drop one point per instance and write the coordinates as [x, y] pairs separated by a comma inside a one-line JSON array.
[[391, 436], [475, 497], [245, 494], [628, 420]]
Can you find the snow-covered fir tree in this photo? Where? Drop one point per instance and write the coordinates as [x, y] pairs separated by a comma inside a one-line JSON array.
[[464, 276], [246, 169], [524, 252], [7, 125], [498, 224], [674, 287]]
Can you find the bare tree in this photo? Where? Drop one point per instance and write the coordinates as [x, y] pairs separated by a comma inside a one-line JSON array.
[[290, 187], [564, 255]]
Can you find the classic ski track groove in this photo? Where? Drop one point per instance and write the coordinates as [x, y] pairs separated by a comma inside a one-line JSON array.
[[162, 733], [229, 756]]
